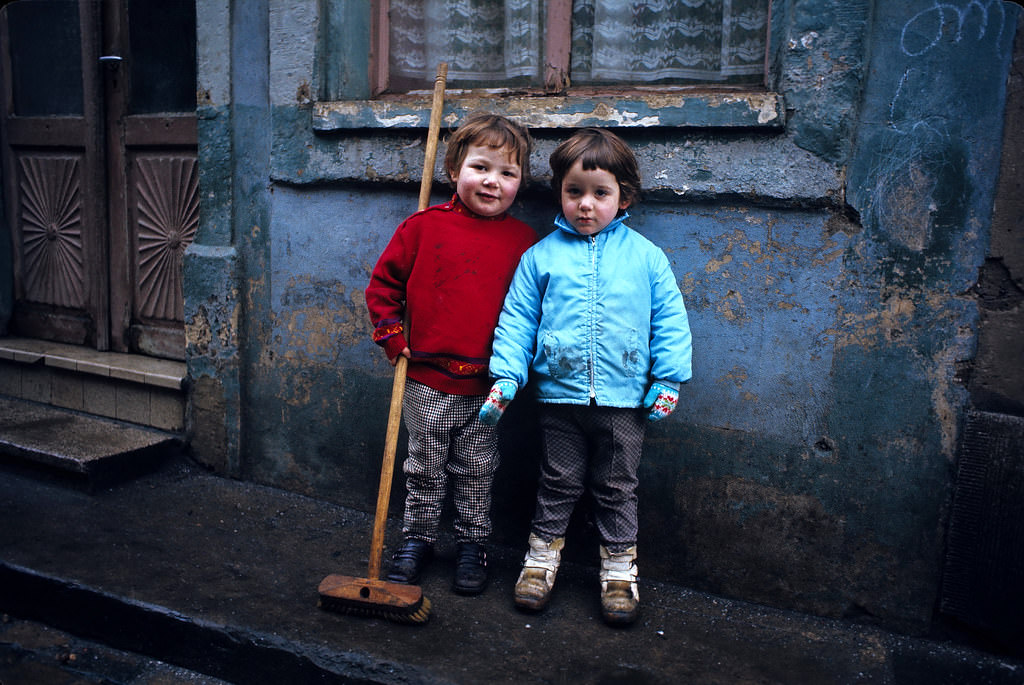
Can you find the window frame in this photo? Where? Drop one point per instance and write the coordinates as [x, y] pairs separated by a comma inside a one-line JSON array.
[[555, 105]]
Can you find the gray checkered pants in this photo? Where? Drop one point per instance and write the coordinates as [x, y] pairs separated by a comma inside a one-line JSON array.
[[448, 445], [591, 447]]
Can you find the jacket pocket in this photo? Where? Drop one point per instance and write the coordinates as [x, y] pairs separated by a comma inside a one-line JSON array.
[[562, 361], [632, 356]]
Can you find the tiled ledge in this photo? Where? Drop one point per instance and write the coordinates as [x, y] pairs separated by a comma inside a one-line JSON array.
[[126, 387], [161, 373]]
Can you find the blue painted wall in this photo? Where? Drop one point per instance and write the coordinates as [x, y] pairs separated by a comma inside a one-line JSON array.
[[826, 258]]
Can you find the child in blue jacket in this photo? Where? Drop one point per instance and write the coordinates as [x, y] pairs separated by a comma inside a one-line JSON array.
[[595, 319]]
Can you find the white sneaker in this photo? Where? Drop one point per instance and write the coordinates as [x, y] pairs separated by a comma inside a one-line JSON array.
[[533, 589], [620, 599]]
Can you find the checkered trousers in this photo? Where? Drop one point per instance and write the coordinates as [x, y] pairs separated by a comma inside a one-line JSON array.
[[595, 448], [448, 446]]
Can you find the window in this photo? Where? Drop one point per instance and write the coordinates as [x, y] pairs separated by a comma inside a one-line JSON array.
[[554, 44], [549, 63], [163, 63], [46, 75]]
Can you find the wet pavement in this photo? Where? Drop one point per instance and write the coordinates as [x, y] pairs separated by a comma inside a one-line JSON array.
[[189, 577]]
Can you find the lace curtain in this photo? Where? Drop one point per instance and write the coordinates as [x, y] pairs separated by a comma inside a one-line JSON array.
[[485, 42], [668, 41], [488, 43]]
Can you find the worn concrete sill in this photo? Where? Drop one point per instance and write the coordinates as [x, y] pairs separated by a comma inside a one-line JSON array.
[[686, 109], [160, 373]]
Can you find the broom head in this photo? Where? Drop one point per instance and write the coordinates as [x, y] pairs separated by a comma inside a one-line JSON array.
[[369, 597]]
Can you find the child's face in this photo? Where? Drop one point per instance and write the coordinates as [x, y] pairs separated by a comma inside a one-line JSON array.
[[488, 180], [590, 198]]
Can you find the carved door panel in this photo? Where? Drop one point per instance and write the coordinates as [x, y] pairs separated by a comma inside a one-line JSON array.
[[100, 177]]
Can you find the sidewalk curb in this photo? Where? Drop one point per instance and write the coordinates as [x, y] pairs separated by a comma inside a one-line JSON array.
[[231, 653]]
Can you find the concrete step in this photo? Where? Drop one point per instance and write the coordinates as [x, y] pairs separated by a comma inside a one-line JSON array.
[[94, 451]]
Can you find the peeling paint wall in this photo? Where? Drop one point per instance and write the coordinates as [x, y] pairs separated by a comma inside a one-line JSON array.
[[826, 248]]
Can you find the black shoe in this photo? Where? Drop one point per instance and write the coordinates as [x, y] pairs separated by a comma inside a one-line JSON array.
[[410, 560], [470, 568]]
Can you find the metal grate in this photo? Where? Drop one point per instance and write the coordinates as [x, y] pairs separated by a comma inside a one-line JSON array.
[[983, 579]]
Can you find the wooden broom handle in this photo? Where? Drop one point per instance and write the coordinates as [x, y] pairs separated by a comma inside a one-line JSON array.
[[401, 364], [433, 133]]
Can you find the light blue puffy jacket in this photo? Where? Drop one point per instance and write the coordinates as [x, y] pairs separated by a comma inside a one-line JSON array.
[[593, 317]]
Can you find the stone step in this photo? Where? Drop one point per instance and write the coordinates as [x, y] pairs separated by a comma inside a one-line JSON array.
[[127, 387], [94, 451]]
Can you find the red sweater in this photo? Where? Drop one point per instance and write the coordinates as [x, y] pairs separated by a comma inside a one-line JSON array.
[[453, 269]]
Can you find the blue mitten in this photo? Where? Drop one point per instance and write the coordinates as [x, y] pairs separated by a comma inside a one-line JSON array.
[[501, 394], [661, 399]]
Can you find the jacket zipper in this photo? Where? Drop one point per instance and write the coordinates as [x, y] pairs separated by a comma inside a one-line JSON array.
[[591, 304]]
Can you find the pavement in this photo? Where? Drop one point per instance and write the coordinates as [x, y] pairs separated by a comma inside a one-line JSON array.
[[36, 654], [179, 575]]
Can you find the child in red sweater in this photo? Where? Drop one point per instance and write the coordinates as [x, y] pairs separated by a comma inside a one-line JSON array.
[[444, 274]]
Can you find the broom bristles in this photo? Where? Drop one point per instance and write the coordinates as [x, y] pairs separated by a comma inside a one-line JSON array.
[[419, 616], [374, 598]]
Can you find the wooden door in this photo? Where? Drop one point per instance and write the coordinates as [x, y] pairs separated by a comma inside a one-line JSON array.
[[153, 170], [101, 178], [54, 188]]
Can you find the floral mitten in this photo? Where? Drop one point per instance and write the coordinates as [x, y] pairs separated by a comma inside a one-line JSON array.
[[661, 399], [497, 400]]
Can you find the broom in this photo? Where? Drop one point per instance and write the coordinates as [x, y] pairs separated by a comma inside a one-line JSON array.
[[372, 596]]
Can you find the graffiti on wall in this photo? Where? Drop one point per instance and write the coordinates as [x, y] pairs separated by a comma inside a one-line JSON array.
[[921, 178]]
